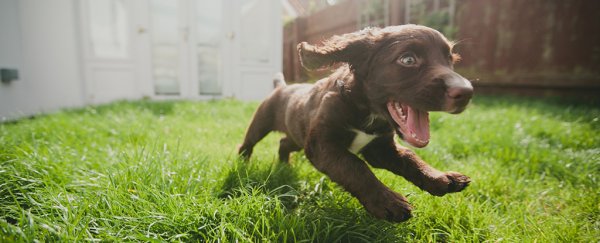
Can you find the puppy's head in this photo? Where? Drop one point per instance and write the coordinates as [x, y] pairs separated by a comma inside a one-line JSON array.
[[406, 71]]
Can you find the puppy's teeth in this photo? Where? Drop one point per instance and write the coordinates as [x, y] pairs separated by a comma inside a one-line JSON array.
[[402, 115], [413, 135]]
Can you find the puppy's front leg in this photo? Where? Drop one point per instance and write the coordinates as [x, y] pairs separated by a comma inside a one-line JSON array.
[[347, 170], [385, 153]]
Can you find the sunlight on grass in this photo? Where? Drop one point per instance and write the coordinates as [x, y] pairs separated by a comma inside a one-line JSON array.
[[168, 170]]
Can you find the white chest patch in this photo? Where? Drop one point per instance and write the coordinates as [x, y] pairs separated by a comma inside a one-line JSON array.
[[360, 141]]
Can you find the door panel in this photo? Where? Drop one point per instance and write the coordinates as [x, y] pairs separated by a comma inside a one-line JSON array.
[[165, 46], [209, 26], [259, 48], [255, 84], [108, 26], [256, 36], [112, 83]]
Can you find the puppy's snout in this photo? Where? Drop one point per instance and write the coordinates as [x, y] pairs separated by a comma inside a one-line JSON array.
[[459, 92]]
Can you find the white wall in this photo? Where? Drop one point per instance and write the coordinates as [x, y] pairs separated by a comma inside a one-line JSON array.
[[42, 42]]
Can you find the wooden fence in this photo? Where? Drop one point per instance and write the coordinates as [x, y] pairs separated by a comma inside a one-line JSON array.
[[529, 47]]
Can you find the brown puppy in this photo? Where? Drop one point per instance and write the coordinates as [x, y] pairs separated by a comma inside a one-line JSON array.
[[390, 80]]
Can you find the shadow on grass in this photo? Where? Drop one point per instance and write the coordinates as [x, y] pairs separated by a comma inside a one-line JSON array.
[[315, 209], [338, 217], [278, 178]]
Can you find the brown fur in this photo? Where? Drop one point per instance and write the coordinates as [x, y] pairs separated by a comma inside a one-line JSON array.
[[320, 118]]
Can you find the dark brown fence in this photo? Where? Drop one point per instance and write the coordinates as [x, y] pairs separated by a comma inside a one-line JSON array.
[[529, 47]]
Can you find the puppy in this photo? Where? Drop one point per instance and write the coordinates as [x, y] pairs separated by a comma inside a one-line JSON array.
[[389, 81]]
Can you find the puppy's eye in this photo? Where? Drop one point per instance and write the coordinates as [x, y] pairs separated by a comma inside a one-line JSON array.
[[408, 60]]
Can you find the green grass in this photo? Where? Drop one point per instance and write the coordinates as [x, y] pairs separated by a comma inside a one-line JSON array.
[[143, 171]]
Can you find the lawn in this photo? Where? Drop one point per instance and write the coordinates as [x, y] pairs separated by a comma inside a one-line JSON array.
[[142, 171]]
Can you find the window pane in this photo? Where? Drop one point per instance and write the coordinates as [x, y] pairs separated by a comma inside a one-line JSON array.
[[208, 29], [165, 46], [108, 29]]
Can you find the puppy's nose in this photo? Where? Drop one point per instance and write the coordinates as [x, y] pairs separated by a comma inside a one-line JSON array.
[[460, 92], [458, 88]]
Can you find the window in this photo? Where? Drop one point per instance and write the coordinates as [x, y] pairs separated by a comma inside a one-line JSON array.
[[108, 28]]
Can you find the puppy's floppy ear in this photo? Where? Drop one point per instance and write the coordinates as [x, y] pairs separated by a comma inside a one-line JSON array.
[[352, 48]]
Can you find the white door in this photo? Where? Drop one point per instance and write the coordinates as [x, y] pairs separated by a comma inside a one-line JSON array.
[[258, 48], [207, 48], [109, 56], [212, 37], [188, 43]]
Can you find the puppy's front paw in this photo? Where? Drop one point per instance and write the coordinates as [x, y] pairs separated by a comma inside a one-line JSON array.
[[458, 181], [389, 205], [448, 182]]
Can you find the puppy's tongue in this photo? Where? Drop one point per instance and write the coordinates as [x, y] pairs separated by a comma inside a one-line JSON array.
[[412, 123]]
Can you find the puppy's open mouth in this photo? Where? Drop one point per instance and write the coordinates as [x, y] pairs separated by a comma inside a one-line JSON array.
[[413, 124]]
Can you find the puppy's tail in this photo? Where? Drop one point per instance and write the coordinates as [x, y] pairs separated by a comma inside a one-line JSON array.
[[278, 80]]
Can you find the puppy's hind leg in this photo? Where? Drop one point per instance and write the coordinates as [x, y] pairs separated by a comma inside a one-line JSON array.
[[286, 146], [261, 125]]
